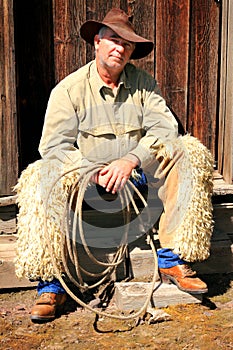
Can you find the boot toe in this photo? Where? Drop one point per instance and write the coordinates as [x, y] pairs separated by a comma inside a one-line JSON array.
[[47, 306], [184, 278]]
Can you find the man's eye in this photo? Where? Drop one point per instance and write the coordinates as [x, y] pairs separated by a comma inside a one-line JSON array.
[[126, 45]]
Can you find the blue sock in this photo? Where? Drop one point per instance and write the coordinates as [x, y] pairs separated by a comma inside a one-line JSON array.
[[167, 259], [50, 287], [141, 182]]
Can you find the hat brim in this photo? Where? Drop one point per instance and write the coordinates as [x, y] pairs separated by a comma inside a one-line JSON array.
[[143, 46]]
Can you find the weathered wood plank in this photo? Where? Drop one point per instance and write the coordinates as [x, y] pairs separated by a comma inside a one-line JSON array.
[[8, 226], [8, 219], [8, 277], [8, 121], [143, 13], [9, 200], [172, 51], [203, 72], [69, 48], [225, 142], [7, 247], [221, 187]]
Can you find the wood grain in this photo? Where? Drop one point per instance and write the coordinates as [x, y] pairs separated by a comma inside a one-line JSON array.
[[172, 54], [203, 72], [69, 48], [8, 120], [225, 140], [8, 277]]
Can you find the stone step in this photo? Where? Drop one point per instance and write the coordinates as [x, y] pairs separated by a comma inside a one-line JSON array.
[[140, 262], [131, 296]]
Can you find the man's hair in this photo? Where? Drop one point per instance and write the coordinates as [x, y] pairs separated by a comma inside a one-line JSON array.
[[102, 31]]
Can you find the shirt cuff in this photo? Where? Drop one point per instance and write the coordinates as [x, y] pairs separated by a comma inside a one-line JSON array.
[[144, 156], [132, 158]]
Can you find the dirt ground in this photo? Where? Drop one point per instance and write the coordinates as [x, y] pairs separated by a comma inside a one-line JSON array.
[[206, 326]]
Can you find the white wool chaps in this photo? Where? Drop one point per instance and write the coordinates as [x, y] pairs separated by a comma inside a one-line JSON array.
[[185, 225]]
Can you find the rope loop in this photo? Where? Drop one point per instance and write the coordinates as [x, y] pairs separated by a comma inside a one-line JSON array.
[[68, 244]]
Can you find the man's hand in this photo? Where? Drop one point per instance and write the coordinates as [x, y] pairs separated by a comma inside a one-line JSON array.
[[114, 176]]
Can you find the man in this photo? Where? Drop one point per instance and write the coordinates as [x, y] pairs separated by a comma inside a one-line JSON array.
[[114, 112]]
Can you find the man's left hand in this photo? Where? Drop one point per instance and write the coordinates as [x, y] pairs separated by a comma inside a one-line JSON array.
[[114, 176]]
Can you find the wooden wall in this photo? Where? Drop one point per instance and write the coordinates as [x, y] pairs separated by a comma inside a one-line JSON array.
[[225, 139], [187, 42], [186, 63], [8, 121], [71, 52]]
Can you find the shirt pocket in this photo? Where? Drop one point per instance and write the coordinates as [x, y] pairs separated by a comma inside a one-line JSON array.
[[115, 119]]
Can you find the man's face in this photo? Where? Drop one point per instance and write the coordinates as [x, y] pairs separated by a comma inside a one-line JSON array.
[[112, 51]]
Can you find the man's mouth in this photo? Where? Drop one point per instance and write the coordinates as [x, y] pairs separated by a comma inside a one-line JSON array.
[[118, 57]]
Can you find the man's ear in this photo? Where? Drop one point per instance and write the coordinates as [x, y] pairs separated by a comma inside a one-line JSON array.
[[96, 40]]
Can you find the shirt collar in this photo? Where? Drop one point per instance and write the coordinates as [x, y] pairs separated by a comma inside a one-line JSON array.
[[99, 83]]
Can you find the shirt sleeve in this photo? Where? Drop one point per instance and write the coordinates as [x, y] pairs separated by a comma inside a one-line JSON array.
[[159, 125], [60, 129]]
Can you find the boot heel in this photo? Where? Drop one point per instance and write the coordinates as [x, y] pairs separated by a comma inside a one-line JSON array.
[[165, 279]]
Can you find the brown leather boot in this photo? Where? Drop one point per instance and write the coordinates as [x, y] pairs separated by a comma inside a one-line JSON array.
[[184, 278], [46, 306]]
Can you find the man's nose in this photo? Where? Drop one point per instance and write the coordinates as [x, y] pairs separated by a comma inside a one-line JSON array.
[[120, 46]]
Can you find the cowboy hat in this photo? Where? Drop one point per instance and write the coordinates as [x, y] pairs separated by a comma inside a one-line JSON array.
[[118, 21]]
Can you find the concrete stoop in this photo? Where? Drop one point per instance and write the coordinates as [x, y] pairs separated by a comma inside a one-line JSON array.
[[131, 296], [139, 266], [142, 260]]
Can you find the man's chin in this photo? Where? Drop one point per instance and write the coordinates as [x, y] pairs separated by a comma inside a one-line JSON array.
[[116, 63]]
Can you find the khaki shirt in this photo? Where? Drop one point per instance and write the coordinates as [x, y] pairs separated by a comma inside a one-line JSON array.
[[86, 121]]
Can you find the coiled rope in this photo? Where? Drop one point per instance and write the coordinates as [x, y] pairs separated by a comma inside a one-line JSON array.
[[69, 245]]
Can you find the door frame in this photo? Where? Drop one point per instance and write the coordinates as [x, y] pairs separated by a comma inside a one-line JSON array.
[[225, 137]]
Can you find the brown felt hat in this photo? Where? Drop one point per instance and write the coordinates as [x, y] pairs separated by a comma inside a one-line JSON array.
[[118, 21]]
